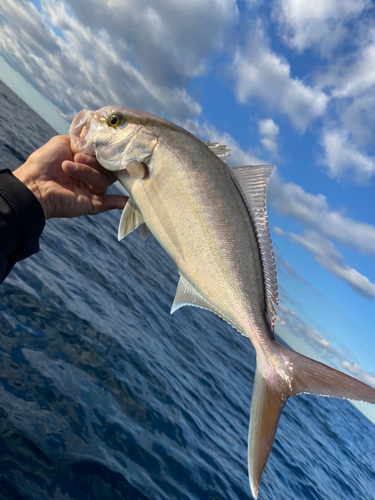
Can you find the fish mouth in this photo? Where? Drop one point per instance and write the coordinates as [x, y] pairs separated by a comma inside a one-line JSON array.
[[79, 133]]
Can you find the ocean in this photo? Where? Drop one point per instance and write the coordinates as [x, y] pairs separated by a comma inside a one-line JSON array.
[[104, 394]]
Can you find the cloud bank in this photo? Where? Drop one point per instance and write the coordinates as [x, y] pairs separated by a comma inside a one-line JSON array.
[[80, 55], [320, 25], [295, 324], [313, 212], [261, 73], [331, 259]]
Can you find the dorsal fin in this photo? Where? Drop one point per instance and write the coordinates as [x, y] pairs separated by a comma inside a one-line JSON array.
[[252, 182], [219, 150]]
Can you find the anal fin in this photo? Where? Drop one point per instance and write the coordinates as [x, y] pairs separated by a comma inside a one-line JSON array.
[[187, 295]]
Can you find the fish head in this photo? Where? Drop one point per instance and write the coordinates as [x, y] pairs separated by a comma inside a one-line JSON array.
[[117, 136]]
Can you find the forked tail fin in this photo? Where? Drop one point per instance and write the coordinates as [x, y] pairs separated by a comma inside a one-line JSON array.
[[284, 374]]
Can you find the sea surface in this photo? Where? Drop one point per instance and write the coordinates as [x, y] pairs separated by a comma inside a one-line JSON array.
[[105, 395]]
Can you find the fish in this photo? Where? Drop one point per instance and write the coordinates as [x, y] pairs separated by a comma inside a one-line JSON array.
[[212, 221]]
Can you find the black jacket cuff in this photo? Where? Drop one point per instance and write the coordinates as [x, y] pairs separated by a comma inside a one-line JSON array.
[[21, 219]]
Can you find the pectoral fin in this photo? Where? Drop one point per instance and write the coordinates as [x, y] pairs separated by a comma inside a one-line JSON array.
[[137, 170], [131, 218]]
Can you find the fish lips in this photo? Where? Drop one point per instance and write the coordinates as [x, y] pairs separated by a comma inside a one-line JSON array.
[[79, 131]]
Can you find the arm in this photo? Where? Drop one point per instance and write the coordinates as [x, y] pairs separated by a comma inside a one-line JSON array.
[[21, 222], [51, 183]]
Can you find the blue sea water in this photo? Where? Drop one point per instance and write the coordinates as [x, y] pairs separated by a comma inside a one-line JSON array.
[[104, 394]]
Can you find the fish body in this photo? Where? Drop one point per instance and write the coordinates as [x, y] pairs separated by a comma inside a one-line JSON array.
[[212, 222], [182, 207]]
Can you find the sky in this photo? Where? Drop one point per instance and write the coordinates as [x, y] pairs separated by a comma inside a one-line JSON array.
[[288, 82]]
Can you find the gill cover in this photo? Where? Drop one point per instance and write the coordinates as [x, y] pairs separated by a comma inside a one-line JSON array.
[[117, 147]]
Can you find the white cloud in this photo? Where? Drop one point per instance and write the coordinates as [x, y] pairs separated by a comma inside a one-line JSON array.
[[353, 74], [320, 24], [331, 259], [295, 324], [270, 131], [139, 55], [261, 73], [358, 117], [281, 263], [351, 84], [168, 39], [343, 157], [349, 78], [358, 372], [208, 132], [313, 212], [279, 231]]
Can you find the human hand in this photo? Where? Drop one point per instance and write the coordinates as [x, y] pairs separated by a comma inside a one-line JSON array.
[[67, 185]]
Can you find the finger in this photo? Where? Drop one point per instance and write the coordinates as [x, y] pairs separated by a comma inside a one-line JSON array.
[[103, 203], [91, 161], [98, 181], [87, 160]]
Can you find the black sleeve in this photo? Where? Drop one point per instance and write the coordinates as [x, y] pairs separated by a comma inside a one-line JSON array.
[[21, 222]]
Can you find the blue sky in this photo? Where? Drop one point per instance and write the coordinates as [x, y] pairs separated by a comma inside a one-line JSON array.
[[289, 82]]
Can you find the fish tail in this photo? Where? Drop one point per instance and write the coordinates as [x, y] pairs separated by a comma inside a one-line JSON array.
[[281, 374]]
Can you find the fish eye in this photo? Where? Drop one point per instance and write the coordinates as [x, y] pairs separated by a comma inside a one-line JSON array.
[[115, 120]]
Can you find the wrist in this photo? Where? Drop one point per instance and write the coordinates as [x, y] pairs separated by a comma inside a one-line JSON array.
[[24, 176]]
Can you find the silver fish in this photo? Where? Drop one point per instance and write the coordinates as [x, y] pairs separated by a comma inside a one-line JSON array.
[[212, 221]]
